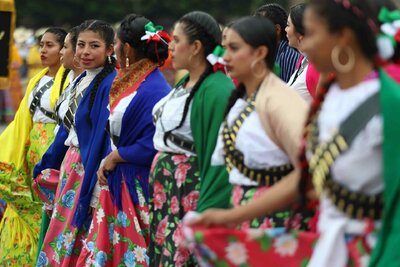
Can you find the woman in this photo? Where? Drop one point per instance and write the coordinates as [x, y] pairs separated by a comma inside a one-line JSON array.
[[286, 56], [75, 155], [347, 222], [120, 225], [257, 148], [23, 143], [295, 34], [73, 70], [187, 122]]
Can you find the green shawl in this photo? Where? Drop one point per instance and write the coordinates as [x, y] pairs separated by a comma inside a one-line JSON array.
[[207, 115], [385, 253]]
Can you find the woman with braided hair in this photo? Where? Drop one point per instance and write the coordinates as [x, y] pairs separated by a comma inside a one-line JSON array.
[[66, 175], [349, 153], [119, 233], [187, 123], [22, 144], [286, 56], [73, 70]]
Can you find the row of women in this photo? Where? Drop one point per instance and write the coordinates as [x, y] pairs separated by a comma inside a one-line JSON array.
[[85, 186]]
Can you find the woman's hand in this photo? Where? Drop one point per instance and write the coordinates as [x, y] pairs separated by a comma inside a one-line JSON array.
[[109, 164], [217, 217]]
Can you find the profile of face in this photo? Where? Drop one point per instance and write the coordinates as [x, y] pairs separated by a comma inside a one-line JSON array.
[[91, 50], [119, 51], [223, 42], [67, 53], [318, 41], [239, 56], [294, 38], [49, 50], [181, 50]]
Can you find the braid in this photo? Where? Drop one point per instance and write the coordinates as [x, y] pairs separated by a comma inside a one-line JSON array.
[[303, 162], [276, 13], [235, 95], [195, 88], [63, 79], [108, 68]]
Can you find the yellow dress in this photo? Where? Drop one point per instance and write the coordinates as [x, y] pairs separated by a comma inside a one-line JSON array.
[[22, 145]]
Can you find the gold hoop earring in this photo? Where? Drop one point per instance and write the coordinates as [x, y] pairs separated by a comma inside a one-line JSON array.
[[253, 67], [109, 59], [127, 62], [340, 67]]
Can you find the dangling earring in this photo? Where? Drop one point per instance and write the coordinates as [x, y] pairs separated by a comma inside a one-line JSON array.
[[127, 62], [340, 67], [109, 60]]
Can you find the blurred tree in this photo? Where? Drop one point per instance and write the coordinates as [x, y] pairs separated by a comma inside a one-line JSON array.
[[38, 13]]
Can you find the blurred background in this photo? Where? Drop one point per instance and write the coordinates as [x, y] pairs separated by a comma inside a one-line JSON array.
[[23, 22]]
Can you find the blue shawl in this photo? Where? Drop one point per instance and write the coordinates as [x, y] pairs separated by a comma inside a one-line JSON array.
[[135, 144], [90, 129]]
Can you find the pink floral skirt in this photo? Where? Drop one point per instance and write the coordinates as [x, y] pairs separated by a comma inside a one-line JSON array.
[[117, 237], [174, 191], [63, 242]]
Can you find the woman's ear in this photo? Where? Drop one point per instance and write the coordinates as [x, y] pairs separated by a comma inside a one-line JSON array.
[[110, 50], [197, 46], [261, 52]]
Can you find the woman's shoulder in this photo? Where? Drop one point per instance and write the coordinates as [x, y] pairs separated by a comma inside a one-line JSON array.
[[217, 83]]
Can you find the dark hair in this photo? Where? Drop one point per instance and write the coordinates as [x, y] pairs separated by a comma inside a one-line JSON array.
[[60, 34], [258, 31], [106, 33], [201, 26], [296, 15], [131, 30], [276, 13], [338, 17], [255, 31], [73, 36]]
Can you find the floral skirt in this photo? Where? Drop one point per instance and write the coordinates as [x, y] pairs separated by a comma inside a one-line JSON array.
[[117, 237], [63, 242], [174, 191], [20, 225], [258, 248], [243, 194]]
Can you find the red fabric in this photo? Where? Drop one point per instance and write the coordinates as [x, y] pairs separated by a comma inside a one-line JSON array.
[[312, 77], [255, 248], [394, 71]]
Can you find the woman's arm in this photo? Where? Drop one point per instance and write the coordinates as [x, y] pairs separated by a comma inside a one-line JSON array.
[[280, 196]]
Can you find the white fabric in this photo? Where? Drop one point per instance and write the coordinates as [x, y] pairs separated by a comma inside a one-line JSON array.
[[117, 114], [359, 169], [62, 104], [259, 151], [300, 85], [72, 139], [172, 111], [38, 116]]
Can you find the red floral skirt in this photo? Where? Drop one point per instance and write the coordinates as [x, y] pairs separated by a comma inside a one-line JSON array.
[[257, 248]]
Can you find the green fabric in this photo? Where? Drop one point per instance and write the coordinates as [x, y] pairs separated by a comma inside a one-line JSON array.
[[386, 251], [43, 230], [207, 114]]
